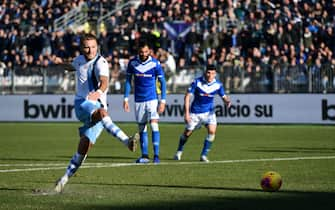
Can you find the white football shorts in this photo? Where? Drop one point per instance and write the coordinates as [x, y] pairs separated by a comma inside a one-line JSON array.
[[207, 118], [146, 111]]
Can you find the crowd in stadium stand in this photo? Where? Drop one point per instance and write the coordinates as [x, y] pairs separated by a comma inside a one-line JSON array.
[[261, 45]]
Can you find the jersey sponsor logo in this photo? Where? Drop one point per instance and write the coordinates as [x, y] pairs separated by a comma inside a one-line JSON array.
[[206, 95], [143, 75]]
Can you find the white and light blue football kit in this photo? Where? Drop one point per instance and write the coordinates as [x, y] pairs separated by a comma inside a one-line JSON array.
[[146, 98], [88, 73]]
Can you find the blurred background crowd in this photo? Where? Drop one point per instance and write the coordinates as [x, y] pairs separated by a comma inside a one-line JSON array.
[[258, 46]]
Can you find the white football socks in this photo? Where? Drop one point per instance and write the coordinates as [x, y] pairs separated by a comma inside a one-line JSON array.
[[114, 130]]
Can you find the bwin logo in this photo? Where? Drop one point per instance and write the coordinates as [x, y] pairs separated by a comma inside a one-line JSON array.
[[33, 111], [328, 112]]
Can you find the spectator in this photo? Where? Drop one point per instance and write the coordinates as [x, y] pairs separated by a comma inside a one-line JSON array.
[[216, 25], [2, 69], [115, 79]]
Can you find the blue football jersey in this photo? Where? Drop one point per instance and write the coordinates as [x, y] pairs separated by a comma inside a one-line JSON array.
[[145, 75], [203, 94]]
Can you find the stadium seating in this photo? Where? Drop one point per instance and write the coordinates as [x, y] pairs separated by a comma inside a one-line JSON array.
[[283, 38]]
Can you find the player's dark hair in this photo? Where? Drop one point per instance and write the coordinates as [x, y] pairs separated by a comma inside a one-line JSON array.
[[210, 68], [143, 43]]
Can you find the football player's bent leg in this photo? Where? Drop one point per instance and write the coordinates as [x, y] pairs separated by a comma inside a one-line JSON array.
[[211, 130], [207, 147], [102, 115], [182, 141]]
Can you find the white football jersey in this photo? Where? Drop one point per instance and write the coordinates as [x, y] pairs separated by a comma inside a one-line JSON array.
[[84, 76]]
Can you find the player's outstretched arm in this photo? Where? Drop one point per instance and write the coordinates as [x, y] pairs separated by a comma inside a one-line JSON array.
[[67, 67]]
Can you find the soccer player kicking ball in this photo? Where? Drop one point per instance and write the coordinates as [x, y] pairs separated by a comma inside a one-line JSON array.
[[146, 70], [92, 75], [201, 110]]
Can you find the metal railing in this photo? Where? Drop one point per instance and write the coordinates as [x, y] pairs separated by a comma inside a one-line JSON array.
[[52, 79], [75, 18], [102, 20], [37, 80]]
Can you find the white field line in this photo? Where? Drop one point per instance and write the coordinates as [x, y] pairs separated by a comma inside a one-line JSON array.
[[57, 166]]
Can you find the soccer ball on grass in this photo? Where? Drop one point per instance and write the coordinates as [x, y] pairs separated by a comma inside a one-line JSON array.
[[271, 181]]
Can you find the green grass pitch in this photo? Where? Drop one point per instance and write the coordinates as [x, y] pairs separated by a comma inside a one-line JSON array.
[[34, 155]]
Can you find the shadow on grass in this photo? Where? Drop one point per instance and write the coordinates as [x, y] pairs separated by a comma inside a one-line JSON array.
[[293, 201], [225, 198], [259, 200], [11, 189]]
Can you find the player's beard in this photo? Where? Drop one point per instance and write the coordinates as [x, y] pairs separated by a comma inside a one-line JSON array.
[[143, 58]]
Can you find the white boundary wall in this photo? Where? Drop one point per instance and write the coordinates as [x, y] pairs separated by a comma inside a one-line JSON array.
[[247, 108]]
